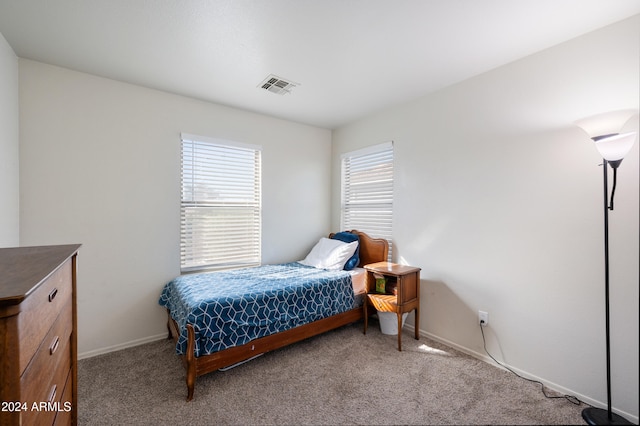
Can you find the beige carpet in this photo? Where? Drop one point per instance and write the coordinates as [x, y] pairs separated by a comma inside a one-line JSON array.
[[341, 377]]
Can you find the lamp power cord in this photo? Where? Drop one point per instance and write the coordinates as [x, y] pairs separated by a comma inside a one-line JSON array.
[[572, 399]]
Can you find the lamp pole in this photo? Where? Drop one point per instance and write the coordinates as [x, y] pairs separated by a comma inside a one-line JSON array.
[[592, 415], [605, 173]]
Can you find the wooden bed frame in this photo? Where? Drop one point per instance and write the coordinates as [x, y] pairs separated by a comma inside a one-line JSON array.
[[372, 250]]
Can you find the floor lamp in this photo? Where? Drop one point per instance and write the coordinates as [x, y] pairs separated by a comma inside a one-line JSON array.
[[603, 130]]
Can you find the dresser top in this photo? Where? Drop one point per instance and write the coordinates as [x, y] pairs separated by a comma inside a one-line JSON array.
[[22, 269]]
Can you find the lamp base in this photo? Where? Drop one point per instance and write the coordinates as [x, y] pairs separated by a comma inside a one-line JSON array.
[[598, 416]]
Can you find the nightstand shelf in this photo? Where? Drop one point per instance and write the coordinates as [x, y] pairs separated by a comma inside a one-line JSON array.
[[407, 297]]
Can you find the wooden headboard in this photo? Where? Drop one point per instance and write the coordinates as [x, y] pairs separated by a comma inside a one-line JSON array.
[[372, 250]]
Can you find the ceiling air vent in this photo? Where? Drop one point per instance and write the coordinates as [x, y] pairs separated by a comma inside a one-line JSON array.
[[277, 85]]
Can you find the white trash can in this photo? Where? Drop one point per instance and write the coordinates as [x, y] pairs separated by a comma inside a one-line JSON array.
[[389, 322]]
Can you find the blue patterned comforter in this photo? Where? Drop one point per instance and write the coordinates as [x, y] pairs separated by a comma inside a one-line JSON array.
[[231, 308]]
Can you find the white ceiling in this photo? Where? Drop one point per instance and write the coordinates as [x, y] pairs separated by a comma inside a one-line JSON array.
[[351, 57]]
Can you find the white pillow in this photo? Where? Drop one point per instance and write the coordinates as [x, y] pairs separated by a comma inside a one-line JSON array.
[[330, 254]]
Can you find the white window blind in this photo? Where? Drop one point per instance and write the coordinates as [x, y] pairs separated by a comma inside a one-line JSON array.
[[220, 213], [367, 191]]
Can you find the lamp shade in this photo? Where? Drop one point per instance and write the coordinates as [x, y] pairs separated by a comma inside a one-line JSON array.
[[609, 123], [614, 148]]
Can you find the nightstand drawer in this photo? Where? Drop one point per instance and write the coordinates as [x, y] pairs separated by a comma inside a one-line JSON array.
[[40, 310], [383, 302]]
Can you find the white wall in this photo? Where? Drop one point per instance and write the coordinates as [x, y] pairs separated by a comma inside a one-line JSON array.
[[9, 142], [100, 165], [498, 198]]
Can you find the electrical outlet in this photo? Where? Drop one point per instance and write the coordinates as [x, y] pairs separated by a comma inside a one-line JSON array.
[[483, 318]]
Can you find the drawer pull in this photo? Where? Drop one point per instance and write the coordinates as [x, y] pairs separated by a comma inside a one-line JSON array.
[[54, 345], [52, 394], [53, 294]]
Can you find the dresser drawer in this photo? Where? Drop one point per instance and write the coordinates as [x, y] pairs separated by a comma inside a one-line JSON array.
[[47, 392], [40, 309], [52, 357], [64, 415], [45, 412]]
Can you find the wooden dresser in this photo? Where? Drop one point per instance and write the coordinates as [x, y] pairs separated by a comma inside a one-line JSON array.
[[38, 335]]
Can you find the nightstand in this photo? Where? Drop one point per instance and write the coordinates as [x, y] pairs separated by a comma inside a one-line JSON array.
[[406, 280]]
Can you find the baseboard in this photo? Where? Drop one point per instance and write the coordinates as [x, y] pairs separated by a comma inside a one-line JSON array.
[[114, 348]]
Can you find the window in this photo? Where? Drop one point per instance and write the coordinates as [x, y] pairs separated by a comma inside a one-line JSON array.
[[220, 209], [367, 191]]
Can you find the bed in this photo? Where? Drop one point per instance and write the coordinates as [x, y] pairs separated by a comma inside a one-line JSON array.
[[217, 319]]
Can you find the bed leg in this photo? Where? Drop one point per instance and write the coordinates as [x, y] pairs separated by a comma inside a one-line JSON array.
[[366, 314], [191, 362], [171, 325]]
